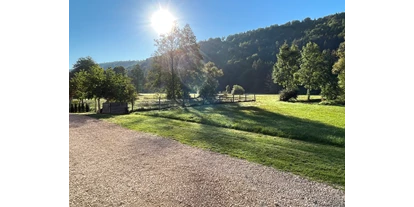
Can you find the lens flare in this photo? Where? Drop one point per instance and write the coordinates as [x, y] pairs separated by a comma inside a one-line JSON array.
[[162, 21]]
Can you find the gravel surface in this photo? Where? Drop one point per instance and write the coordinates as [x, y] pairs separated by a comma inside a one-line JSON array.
[[113, 166]]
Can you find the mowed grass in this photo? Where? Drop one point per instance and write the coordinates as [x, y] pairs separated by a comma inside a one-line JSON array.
[[306, 122], [305, 139], [315, 161]]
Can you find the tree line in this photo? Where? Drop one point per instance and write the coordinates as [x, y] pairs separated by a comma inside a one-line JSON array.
[[90, 81], [311, 68]]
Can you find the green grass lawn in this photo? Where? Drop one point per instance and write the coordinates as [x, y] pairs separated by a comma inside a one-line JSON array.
[[305, 139], [307, 122]]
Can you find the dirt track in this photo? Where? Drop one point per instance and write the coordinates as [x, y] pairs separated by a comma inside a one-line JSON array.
[[113, 166]]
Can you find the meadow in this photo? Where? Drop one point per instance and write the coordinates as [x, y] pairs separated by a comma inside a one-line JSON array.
[[306, 139]]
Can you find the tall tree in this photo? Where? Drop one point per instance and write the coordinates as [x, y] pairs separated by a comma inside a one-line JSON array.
[[311, 67], [110, 86], [286, 66], [329, 81], [96, 84], [178, 52], [189, 69], [117, 87], [168, 46], [137, 77], [339, 67], [83, 63], [209, 87], [78, 86]]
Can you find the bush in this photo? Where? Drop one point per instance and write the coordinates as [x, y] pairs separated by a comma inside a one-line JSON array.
[[336, 102], [237, 90], [286, 95]]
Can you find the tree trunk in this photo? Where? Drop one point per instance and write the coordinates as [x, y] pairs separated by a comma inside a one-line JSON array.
[[308, 93], [172, 76], [95, 106], [70, 102], [99, 105], [132, 105]]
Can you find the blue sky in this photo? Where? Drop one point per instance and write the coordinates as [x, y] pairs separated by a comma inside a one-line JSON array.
[[112, 30]]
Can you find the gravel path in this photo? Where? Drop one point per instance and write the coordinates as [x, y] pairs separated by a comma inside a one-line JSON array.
[[113, 166]]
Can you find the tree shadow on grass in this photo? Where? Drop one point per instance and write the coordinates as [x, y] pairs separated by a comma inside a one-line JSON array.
[[258, 120], [317, 161]]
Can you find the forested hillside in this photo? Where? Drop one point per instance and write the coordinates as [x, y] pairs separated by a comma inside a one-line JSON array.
[[125, 64], [247, 58]]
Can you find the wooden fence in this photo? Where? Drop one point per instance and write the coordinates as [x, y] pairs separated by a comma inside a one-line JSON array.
[[158, 104]]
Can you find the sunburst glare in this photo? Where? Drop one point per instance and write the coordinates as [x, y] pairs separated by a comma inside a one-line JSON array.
[[162, 21]]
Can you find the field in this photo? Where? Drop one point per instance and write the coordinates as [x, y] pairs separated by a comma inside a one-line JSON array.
[[303, 138]]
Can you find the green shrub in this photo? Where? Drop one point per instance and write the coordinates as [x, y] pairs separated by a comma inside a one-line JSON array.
[[237, 90], [287, 94], [336, 102]]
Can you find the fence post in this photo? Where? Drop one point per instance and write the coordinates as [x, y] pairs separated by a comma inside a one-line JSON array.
[[159, 103]]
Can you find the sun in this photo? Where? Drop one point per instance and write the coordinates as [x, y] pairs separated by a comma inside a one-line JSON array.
[[162, 21]]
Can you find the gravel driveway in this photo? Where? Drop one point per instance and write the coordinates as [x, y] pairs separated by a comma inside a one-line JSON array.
[[113, 166]]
